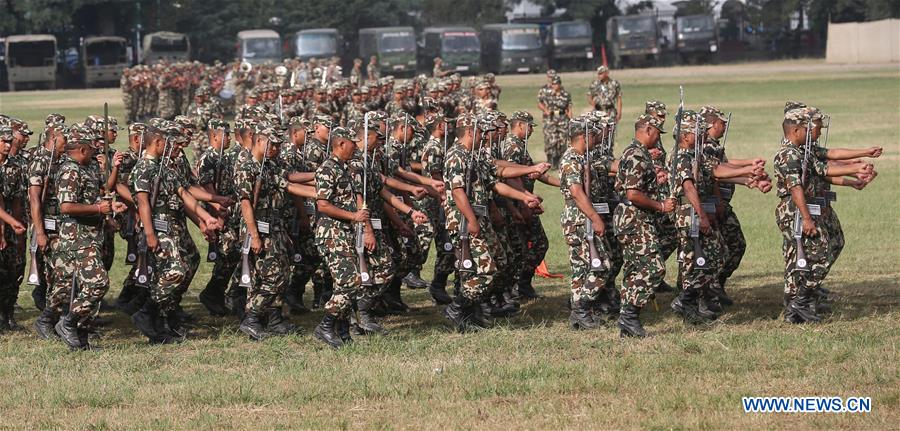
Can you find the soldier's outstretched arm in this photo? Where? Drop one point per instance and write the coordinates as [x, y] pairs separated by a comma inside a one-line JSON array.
[[847, 182], [640, 199], [301, 177], [201, 194], [851, 153], [507, 169], [529, 199], [724, 170], [397, 202], [852, 169], [125, 194], [10, 220], [301, 190]]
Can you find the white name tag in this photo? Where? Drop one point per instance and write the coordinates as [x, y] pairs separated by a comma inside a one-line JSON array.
[[262, 227], [708, 207], [814, 209], [50, 224], [376, 223], [602, 208], [161, 226], [480, 210]]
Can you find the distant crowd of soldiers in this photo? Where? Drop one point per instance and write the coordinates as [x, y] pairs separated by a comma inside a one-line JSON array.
[[348, 184]]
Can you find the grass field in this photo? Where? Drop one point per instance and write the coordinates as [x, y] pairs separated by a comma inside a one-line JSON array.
[[531, 372]]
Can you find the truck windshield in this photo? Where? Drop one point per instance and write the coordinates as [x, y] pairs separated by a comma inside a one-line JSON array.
[[312, 44], [572, 30], [166, 44], [639, 25], [520, 40], [460, 42], [693, 24], [32, 54], [262, 48], [397, 42], [105, 53]]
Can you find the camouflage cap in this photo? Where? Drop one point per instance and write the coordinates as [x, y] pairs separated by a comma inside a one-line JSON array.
[[431, 120], [485, 121], [551, 73], [185, 122], [651, 120], [137, 128], [793, 104], [501, 121], [96, 123], [344, 133], [55, 120], [4, 120], [523, 116], [20, 126], [655, 106], [300, 122], [581, 124], [218, 124], [555, 79], [378, 116], [6, 133], [816, 115], [489, 76], [324, 120], [483, 84], [269, 131], [602, 69], [797, 116], [430, 104], [79, 135], [709, 112], [689, 122], [359, 90], [600, 118]]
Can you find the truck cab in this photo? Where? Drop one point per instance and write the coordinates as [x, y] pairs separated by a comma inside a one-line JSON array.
[[319, 43], [31, 61], [102, 59], [259, 46], [570, 45], [633, 40], [395, 48], [515, 48], [696, 38], [458, 47], [165, 45]]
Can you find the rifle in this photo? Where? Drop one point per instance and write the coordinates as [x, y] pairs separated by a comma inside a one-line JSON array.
[[212, 253], [246, 280], [34, 278], [801, 263], [360, 227], [726, 192], [699, 256], [279, 107], [466, 264], [297, 257], [142, 274], [443, 237], [129, 234], [73, 292], [595, 261]]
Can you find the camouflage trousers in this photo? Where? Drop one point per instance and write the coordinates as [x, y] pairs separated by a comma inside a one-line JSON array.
[[108, 249], [60, 279], [829, 221], [734, 243], [151, 106], [312, 265], [616, 259], [341, 260], [166, 108], [816, 249], [666, 234], [9, 267], [90, 279], [692, 276], [586, 284], [171, 267], [509, 243], [425, 232], [406, 252], [533, 246], [128, 101], [223, 271], [380, 260], [643, 267], [445, 259], [269, 273], [555, 138], [188, 249], [487, 257]]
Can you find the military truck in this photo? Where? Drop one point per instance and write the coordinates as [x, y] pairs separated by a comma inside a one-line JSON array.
[[458, 47], [569, 44], [516, 48], [31, 61], [102, 59], [696, 38], [259, 46], [318, 43], [632, 40], [395, 48], [165, 45]]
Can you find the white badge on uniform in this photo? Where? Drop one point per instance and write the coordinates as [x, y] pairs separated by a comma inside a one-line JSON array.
[[161, 226], [376, 223], [50, 224], [262, 227], [814, 209], [601, 208]]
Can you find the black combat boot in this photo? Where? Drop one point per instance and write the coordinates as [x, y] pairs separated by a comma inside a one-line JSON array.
[[803, 307], [11, 315], [581, 316], [252, 327], [45, 322], [67, 329], [476, 317], [238, 301], [136, 303], [414, 281], [629, 322], [709, 306], [129, 290], [213, 297], [526, 288], [342, 328], [719, 291], [663, 287], [293, 297], [278, 325], [149, 322], [438, 289], [686, 305], [318, 300], [366, 320], [325, 331], [456, 313], [393, 302], [39, 295]]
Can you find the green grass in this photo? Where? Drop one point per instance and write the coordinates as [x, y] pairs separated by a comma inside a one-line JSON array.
[[532, 371]]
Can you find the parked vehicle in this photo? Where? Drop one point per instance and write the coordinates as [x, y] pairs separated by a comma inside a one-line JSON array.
[[102, 59], [31, 61], [395, 48], [697, 38], [633, 40], [165, 45], [458, 47], [259, 46], [570, 45], [512, 48], [316, 43]]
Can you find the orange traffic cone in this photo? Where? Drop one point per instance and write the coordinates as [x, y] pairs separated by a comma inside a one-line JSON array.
[[542, 271]]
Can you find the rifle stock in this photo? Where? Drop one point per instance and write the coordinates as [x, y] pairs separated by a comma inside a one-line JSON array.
[[596, 262], [246, 279], [466, 264], [362, 261]]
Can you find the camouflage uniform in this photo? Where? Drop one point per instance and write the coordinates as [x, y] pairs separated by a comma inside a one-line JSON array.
[[12, 188], [40, 166], [605, 95], [732, 235], [586, 284], [635, 230], [433, 166], [80, 239], [381, 263], [555, 124], [335, 184]]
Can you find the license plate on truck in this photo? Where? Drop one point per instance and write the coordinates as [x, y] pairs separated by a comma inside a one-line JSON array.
[[523, 70]]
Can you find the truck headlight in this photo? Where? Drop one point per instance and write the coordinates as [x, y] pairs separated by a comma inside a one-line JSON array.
[[713, 47], [507, 60], [411, 63], [654, 51], [385, 63]]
